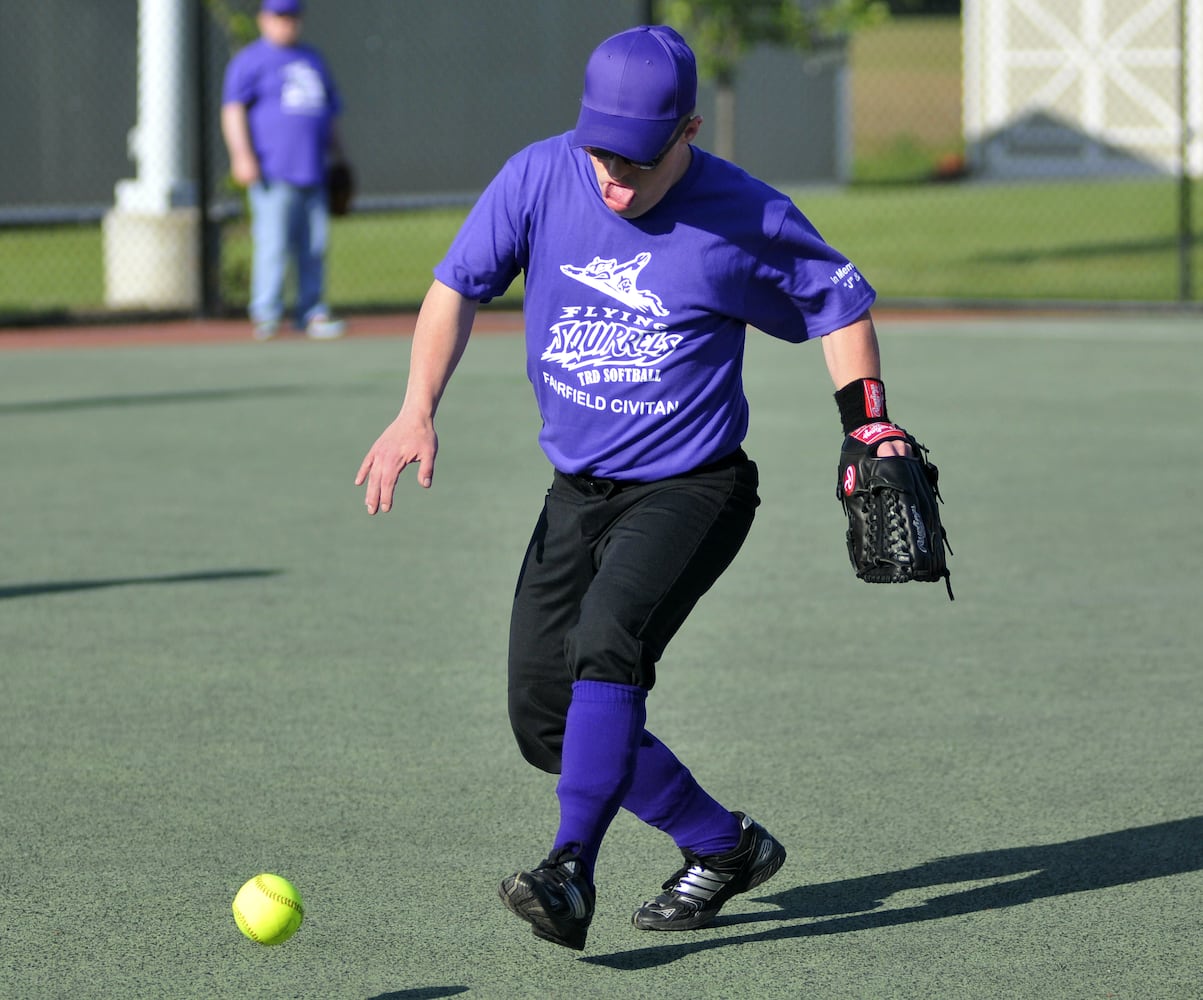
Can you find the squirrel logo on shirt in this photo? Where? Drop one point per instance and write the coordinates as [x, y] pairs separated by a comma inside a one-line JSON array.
[[598, 345], [631, 337], [618, 281]]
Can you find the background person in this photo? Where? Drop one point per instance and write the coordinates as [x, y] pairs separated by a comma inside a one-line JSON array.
[[279, 105]]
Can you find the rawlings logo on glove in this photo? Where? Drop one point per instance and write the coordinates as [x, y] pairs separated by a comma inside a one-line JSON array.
[[892, 505], [872, 433]]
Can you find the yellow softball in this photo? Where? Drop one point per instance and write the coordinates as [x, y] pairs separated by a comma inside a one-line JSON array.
[[268, 909]]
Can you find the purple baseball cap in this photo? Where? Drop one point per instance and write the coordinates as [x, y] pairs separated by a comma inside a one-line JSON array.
[[285, 8], [639, 84]]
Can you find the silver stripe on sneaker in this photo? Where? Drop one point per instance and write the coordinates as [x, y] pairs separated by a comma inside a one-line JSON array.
[[576, 900], [701, 883]]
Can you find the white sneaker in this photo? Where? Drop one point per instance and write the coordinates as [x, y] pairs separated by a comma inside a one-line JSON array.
[[325, 328], [265, 330]]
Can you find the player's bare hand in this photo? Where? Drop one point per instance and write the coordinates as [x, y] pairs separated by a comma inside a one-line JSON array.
[[893, 447], [404, 442], [244, 168]]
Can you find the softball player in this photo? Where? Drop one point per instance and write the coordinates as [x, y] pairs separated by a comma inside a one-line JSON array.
[[645, 259]]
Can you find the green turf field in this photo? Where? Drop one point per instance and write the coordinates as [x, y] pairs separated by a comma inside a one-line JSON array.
[[213, 663]]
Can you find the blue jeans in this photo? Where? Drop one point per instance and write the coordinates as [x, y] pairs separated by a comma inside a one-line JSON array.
[[288, 224]]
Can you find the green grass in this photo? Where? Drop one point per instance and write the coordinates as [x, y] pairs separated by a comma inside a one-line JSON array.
[[906, 97], [51, 269], [375, 261], [1100, 241], [214, 664], [1089, 241]]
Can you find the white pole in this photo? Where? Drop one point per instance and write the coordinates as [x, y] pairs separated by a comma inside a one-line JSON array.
[[158, 141], [151, 256]]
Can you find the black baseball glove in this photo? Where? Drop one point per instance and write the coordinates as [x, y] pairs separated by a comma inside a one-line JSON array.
[[892, 505], [340, 187]]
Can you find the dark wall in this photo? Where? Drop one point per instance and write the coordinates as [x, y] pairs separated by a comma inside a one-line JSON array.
[[68, 76], [438, 92]]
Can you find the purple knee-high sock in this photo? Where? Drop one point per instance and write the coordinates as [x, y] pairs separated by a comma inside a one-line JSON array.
[[601, 738], [666, 795]]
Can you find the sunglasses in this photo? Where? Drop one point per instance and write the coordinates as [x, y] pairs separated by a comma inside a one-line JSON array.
[[605, 154]]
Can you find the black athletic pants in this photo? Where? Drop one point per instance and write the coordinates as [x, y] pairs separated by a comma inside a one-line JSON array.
[[611, 572]]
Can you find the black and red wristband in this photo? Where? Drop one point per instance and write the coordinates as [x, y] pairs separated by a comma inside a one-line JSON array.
[[861, 402]]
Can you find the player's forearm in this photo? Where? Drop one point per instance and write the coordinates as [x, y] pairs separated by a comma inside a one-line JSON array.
[[244, 164], [440, 337], [235, 131], [852, 352]]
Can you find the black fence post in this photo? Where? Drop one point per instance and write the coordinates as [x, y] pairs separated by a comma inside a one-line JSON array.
[[209, 231], [1185, 234]]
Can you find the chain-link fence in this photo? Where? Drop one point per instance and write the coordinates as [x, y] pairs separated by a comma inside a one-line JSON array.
[[1022, 150]]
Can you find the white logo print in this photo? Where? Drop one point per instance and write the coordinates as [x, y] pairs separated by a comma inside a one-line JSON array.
[[618, 281], [920, 530], [303, 92], [590, 338], [848, 276], [597, 346]]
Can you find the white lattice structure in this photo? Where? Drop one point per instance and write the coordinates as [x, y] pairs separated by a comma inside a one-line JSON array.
[[1083, 87]]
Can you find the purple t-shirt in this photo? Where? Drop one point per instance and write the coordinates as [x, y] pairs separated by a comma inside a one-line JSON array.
[[635, 327], [291, 102]]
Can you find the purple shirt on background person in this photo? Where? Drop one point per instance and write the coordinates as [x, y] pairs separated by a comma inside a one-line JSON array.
[[291, 102], [635, 327]]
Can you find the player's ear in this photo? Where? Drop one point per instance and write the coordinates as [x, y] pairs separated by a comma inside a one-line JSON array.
[[692, 129]]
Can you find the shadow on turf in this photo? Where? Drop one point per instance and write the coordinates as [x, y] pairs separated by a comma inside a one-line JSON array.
[[69, 586], [148, 399], [1026, 874], [423, 993]]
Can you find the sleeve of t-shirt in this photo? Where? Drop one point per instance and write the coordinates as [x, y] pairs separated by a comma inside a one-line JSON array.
[[490, 249], [802, 287], [238, 87]]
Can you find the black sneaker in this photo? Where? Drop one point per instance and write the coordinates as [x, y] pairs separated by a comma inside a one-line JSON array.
[[698, 891], [555, 899]]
